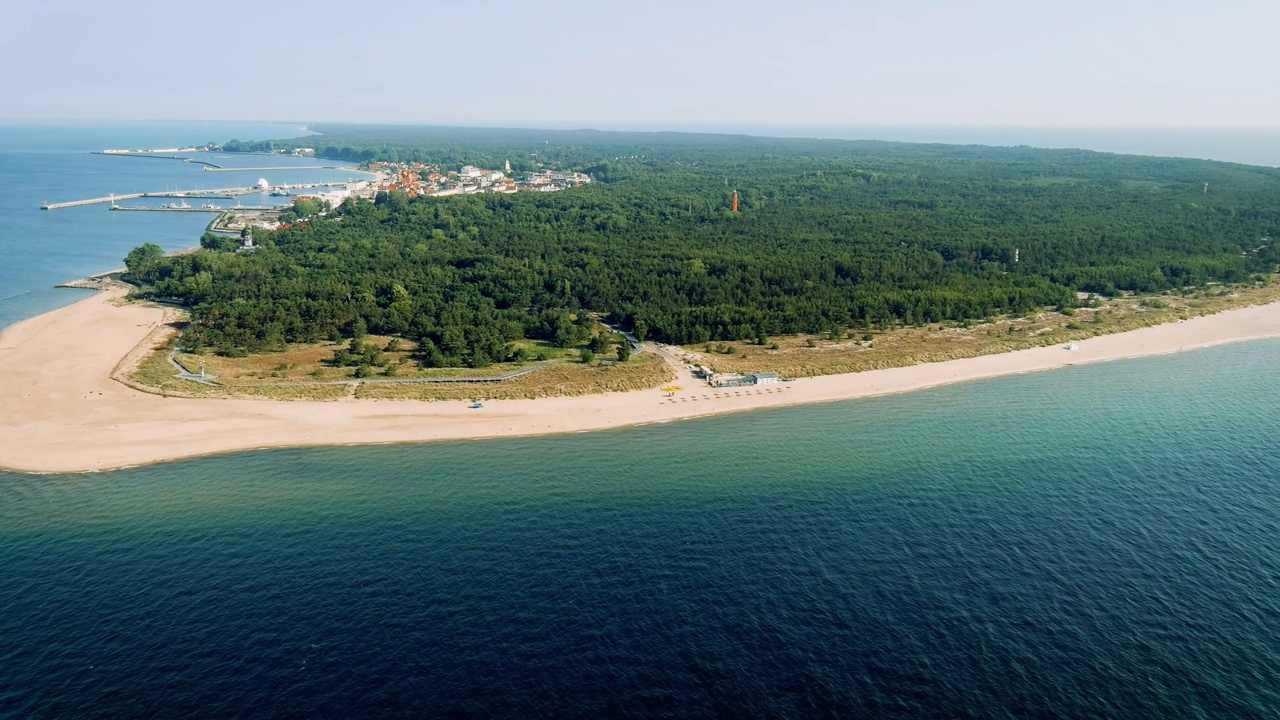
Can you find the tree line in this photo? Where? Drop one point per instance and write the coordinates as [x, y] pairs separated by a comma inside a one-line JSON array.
[[830, 235]]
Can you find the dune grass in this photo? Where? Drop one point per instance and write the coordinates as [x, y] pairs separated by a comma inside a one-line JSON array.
[[303, 372], [861, 349]]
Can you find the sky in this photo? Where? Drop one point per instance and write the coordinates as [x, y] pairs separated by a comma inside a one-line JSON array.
[[575, 63]]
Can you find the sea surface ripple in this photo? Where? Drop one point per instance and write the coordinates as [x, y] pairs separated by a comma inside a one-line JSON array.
[[1092, 542]]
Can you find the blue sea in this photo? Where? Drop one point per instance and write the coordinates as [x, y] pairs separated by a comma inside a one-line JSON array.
[[1092, 542], [53, 163]]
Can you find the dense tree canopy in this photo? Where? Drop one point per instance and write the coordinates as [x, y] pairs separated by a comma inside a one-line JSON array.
[[831, 234]]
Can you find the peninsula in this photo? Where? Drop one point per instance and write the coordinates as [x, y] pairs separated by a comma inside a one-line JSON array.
[[860, 268], [64, 412]]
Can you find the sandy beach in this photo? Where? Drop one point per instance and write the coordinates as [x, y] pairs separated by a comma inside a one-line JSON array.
[[62, 411]]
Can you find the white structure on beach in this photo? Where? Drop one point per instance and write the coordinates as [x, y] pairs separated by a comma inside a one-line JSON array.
[[735, 380]]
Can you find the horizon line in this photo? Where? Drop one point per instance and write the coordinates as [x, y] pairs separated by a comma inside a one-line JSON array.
[[648, 125]]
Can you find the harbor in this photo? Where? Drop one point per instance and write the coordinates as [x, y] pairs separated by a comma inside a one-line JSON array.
[[231, 208]]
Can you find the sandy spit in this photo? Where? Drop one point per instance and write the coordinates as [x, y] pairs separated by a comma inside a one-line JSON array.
[[60, 410]]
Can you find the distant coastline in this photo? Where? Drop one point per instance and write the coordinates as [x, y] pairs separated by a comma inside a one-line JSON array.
[[66, 413]]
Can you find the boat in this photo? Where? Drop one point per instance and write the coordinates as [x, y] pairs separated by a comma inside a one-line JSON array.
[[281, 193], [476, 406], [210, 206]]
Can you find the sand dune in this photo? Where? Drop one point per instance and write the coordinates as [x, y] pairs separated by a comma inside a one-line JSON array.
[[60, 411]]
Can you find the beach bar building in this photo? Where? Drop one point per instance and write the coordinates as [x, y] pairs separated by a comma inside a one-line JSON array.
[[731, 380]]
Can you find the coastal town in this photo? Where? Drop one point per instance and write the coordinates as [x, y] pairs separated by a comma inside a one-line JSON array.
[[422, 180], [413, 179], [419, 179]]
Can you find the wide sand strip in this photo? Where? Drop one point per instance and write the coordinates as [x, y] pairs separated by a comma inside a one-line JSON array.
[[60, 411]]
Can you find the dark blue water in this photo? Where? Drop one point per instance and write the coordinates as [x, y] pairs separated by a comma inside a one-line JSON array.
[[1067, 544], [1094, 542]]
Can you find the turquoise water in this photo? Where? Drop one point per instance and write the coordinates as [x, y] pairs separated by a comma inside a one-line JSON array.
[[1093, 542]]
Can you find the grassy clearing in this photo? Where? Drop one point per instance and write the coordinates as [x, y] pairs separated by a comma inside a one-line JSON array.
[[302, 373], [155, 372], [642, 371], [312, 364], [861, 349]]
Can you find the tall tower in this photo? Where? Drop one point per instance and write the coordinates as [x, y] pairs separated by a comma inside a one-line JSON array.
[[735, 201], [508, 167]]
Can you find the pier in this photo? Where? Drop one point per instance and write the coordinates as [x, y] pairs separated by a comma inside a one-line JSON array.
[[219, 194], [144, 208], [222, 194], [118, 153], [90, 201], [349, 168]]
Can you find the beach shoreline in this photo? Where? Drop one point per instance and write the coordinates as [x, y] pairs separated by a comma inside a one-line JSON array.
[[64, 412]]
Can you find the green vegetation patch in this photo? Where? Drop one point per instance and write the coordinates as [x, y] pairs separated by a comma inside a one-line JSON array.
[[830, 236]]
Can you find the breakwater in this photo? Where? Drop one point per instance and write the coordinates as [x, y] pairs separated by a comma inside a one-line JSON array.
[[283, 168], [90, 201], [140, 208], [155, 156], [220, 193]]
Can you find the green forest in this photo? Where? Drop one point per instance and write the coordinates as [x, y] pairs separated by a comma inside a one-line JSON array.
[[830, 235]]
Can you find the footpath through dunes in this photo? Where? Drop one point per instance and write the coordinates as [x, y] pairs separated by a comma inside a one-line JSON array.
[[63, 412]]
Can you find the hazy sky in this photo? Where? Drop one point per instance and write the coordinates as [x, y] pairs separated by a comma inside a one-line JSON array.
[[583, 63]]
